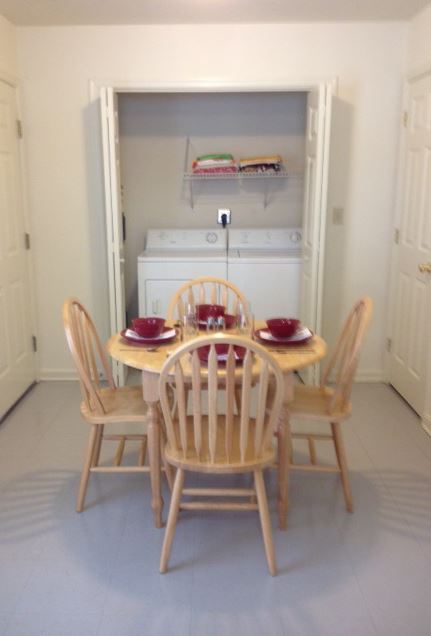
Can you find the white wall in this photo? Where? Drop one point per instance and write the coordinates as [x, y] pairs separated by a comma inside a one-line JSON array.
[[8, 52], [63, 144], [419, 41]]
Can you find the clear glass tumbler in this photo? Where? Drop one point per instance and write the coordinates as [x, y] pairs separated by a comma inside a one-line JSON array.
[[190, 322], [244, 322]]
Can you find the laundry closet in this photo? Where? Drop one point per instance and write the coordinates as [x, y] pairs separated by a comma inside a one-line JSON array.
[[150, 139]]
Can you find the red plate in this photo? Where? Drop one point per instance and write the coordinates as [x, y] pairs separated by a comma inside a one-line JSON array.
[[162, 339], [222, 351], [264, 336]]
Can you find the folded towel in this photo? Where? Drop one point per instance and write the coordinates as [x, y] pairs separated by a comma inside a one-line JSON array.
[[218, 156], [261, 167], [265, 159], [215, 170]]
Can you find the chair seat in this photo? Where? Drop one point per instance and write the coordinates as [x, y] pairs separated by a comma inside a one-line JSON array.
[[313, 403], [203, 463], [122, 404]]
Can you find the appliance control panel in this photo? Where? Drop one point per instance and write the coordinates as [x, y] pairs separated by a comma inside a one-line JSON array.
[[261, 238], [180, 238]]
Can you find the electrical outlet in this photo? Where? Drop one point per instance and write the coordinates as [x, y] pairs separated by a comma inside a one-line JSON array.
[[220, 213]]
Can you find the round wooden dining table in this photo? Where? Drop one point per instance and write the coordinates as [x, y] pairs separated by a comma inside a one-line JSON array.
[[150, 361]]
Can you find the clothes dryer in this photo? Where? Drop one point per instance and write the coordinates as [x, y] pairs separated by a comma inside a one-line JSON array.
[[265, 263]]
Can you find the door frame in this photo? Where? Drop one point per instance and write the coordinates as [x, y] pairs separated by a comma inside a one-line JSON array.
[[329, 85], [13, 81], [399, 191]]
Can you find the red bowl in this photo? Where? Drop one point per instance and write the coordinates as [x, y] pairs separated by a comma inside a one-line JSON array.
[[222, 349], [282, 327], [209, 311], [229, 321], [150, 327]]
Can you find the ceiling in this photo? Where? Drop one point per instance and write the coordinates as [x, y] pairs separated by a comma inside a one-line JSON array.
[[73, 12]]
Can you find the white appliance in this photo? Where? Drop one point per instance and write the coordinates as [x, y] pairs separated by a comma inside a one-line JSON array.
[[266, 264], [174, 256]]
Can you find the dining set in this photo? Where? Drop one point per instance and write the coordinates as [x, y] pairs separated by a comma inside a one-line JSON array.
[[220, 390]]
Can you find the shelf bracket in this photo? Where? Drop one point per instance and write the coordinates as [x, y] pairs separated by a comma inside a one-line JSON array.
[[192, 201], [265, 196]]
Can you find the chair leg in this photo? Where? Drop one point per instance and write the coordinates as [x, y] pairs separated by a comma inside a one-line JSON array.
[[172, 520], [342, 463], [283, 468], [168, 468], [168, 471], [265, 521], [98, 445], [86, 469]]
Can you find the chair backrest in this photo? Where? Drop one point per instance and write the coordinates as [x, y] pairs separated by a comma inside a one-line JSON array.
[[207, 290], [221, 438], [87, 352], [343, 363]]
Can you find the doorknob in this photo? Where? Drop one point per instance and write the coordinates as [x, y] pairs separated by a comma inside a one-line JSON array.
[[425, 268]]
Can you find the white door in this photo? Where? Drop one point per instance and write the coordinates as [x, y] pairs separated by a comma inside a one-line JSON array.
[[314, 212], [114, 216], [17, 360], [411, 333]]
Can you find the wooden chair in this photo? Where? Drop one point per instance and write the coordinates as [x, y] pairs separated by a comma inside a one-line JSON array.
[[331, 404], [101, 405], [220, 443], [207, 289]]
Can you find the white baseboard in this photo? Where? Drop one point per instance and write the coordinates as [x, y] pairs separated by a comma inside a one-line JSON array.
[[58, 374], [363, 375], [370, 375]]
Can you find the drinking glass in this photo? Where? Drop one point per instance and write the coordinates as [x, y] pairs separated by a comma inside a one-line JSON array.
[[244, 322], [190, 322]]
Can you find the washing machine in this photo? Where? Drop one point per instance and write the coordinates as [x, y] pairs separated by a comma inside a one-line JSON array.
[[266, 263], [174, 256]]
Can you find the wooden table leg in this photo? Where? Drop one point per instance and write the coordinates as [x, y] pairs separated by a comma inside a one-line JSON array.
[[284, 442], [151, 397]]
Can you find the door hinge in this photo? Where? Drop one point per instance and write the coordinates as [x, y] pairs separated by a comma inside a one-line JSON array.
[[388, 345], [27, 240], [396, 236], [19, 128], [123, 220], [405, 119], [34, 343]]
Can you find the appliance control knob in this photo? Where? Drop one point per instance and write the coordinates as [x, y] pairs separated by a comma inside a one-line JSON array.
[[211, 237], [296, 237]]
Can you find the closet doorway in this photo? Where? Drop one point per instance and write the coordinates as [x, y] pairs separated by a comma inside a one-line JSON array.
[[314, 166]]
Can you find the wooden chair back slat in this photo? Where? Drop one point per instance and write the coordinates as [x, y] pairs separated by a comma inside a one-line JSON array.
[[88, 354], [181, 308], [230, 400], [221, 436], [207, 289], [245, 404], [182, 406], [201, 296], [190, 298], [260, 410], [224, 296], [344, 360], [212, 401], [197, 402]]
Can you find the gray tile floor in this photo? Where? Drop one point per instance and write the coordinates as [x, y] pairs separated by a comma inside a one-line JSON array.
[[64, 574]]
